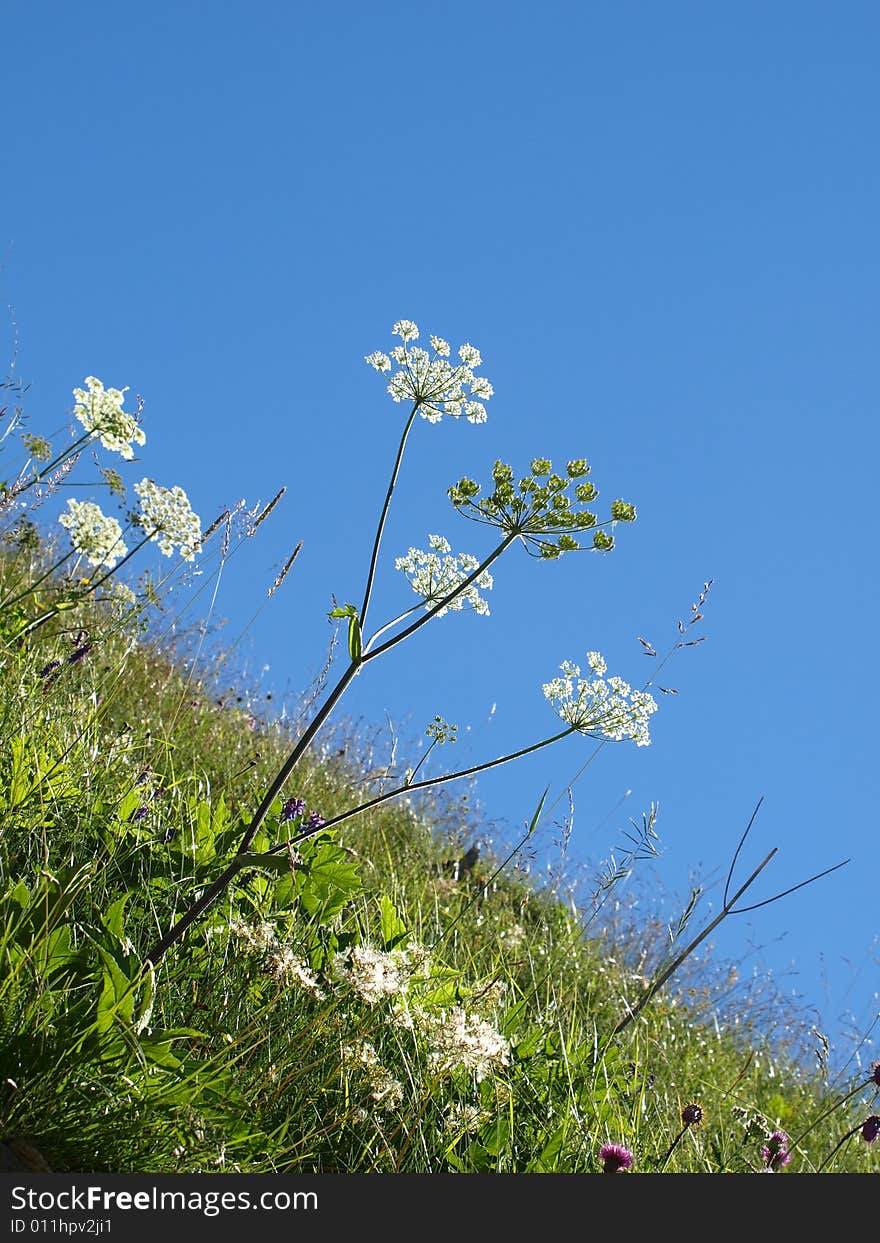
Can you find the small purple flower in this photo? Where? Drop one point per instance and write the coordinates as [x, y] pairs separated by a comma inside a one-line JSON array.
[[871, 1129], [293, 808], [692, 1115], [80, 653], [49, 673], [158, 792], [139, 814], [774, 1153], [144, 776], [875, 1074], [615, 1158], [315, 821]]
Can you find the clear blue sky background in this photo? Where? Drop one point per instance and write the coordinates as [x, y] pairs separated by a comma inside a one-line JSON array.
[[659, 225]]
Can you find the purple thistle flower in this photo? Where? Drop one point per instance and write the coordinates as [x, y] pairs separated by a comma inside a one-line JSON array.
[[615, 1158], [774, 1153], [315, 821], [293, 808], [692, 1115], [871, 1129]]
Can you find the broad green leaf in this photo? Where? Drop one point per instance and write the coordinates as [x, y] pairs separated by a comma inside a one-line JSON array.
[[546, 1162], [394, 930]]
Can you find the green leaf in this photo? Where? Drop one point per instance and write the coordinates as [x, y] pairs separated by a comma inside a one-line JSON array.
[[533, 823], [546, 1162], [394, 930], [117, 995], [355, 637], [327, 882], [112, 918]]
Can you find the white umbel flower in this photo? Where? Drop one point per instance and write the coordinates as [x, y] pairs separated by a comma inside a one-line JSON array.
[[436, 574], [599, 707], [436, 385], [166, 515], [93, 534], [100, 411]]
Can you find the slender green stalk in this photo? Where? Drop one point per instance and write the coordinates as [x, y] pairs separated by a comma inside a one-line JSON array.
[[368, 654], [377, 542], [54, 612], [655, 985], [827, 1112], [425, 784], [22, 595], [371, 654], [838, 1146]]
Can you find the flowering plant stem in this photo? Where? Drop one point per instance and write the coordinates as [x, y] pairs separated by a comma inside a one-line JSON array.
[[243, 859], [380, 528], [358, 660], [425, 784]]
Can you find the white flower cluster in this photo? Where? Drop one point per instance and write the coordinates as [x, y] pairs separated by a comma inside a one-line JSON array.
[[258, 938], [100, 411], [374, 974], [599, 707], [166, 515], [93, 534], [461, 1040], [285, 967], [430, 379], [386, 1091], [279, 960], [464, 1119], [436, 574]]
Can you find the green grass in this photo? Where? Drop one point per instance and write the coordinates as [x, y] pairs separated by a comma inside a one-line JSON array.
[[126, 781]]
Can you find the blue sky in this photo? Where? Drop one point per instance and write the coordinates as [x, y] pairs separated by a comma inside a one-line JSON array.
[[658, 224]]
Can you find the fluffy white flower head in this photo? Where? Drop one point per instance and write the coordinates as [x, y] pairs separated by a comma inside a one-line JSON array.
[[434, 575], [604, 708], [373, 974], [430, 380], [93, 534], [166, 515], [461, 1040], [100, 411]]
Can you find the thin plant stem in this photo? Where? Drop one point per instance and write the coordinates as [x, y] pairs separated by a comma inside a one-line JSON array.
[[377, 542], [371, 654], [838, 1146], [424, 784], [655, 986]]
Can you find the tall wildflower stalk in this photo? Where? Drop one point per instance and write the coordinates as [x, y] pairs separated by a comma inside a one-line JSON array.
[[543, 511]]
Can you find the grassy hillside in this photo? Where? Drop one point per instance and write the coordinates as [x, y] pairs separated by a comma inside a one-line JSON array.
[[210, 961], [369, 1006]]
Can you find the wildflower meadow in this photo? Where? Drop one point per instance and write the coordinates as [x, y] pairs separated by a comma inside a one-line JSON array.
[[237, 941]]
